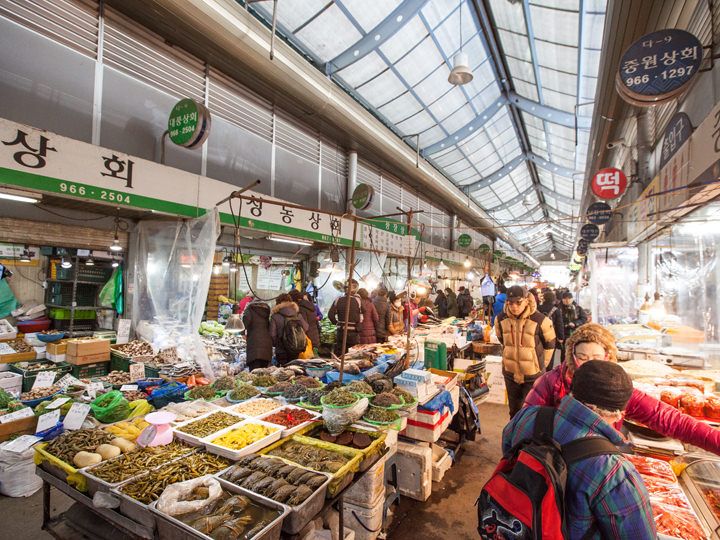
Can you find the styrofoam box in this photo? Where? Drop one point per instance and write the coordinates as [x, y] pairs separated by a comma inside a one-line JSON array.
[[56, 358], [11, 382], [496, 383], [371, 485], [427, 425], [441, 462], [414, 470], [455, 396], [367, 521]]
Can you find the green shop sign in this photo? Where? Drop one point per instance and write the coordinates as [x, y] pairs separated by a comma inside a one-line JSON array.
[[464, 240], [189, 123], [362, 196]]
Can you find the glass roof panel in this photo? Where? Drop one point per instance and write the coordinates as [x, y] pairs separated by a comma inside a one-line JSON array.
[[419, 62], [329, 34], [363, 70], [556, 56], [382, 89], [401, 108], [300, 12], [555, 25], [369, 14], [416, 123], [431, 136], [509, 15], [413, 32], [516, 45]]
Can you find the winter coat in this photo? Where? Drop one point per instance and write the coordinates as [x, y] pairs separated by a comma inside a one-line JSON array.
[[370, 319], [382, 306], [553, 312], [308, 312], [528, 342], [337, 313], [452, 304], [280, 314], [256, 319], [465, 303], [573, 314], [499, 305], [604, 497], [442, 305], [396, 318], [658, 416]]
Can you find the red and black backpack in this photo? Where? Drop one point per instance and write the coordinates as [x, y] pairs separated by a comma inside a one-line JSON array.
[[525, 497]]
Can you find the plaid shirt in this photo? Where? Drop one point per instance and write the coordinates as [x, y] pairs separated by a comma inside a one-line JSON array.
[[604, 492]]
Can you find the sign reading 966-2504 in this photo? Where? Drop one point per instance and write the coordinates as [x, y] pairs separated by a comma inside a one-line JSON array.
[[659, 66]]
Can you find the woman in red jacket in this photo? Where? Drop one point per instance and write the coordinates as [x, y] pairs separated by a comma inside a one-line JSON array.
[[593, 342]]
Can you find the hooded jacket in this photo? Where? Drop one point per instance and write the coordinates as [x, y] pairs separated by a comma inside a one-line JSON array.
[[465, 303], [308, 312], [256, 319], [528, 341], [452, 304], [552, 387], [396, 324], [280, 314], [370, 319], [382, 306]]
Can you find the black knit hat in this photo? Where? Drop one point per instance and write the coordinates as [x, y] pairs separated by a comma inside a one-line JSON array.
[[516, 292], [603, 384]]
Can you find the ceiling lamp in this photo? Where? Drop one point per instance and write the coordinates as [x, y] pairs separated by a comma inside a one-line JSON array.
[[467, 263], [90, 262], [233, 267], [442, 266], [226, 261], [460, 73], [65, 264], [115, 263], [25, 256], [552, 255]]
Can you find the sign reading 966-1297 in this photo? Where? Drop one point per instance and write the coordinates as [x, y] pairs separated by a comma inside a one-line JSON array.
[[659, 66]]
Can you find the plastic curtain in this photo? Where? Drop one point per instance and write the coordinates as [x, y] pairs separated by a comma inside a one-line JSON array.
[[173, 266], [613, 283]]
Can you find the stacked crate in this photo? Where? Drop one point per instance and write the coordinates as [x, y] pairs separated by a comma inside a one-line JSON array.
[[219, 285]]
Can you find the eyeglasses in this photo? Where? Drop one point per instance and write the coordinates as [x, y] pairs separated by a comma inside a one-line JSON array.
[[582, 358]]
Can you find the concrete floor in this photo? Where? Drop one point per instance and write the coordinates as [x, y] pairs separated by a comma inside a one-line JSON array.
[[448, 513]]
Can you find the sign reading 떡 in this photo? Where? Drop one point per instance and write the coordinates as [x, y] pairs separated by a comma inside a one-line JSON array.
[[659, 66], [609, 183]]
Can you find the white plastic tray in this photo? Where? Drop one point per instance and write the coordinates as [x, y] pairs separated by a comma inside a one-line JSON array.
[[286, 432], [281, 405], [237, 454], [198, 441]]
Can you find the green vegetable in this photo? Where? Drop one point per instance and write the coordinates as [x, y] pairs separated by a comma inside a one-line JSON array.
[[339, 398], [5, 399], [211, 329]]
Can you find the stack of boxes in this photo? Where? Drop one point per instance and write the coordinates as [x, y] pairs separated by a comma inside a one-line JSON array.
[[88, 357]]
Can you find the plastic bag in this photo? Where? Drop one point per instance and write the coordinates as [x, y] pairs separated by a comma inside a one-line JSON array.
[[337, 419], [110, 407], [308, 352], [174, 499], [17, 473]]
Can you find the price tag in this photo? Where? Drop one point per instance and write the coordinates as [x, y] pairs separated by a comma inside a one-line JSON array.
[[59, 402], [47, 420], [44, 379], [93, 388], [137, 371], [69, 380], [128, 387], [27, 412], [76, 415], [6, 349], [21, 444], [123, 331]]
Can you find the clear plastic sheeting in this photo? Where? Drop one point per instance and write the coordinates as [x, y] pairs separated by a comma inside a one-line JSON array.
[[172, 276], [613, 283]]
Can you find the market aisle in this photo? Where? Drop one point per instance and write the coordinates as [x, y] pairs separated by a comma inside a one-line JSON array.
[[451, 507]]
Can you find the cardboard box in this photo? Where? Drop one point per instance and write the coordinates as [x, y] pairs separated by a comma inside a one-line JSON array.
[[85, 347], [57, 348], [84, 359]]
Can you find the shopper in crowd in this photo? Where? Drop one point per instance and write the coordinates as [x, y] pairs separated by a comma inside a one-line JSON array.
[[528, 340], [554, 313], [256, 319], [441, 304], [308, 312], [370, 318], [604, 497], [382, 306], [499, 304], [573, 315], [452, 305], [593, 342], [396, 316], [337, 317], [411, 310], [242, 304], [284, 313], [465, 302], [488, 292]]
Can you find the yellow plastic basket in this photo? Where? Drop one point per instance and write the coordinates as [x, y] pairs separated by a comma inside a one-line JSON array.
[[57, 467], [369, 453]]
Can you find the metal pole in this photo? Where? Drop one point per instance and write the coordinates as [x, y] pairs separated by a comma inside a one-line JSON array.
[[409, 276], [236, 194], [274, 29], [348, 297], [162, 146]]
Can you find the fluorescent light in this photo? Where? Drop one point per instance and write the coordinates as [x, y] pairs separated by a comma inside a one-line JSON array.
[[115, 264], [65, 264], [18, 198], [287, 240], [116, 245], [89, 262]]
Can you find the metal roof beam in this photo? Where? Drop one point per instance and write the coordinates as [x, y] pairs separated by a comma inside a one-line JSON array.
[[511, 165], [555, 195], [386, 29]]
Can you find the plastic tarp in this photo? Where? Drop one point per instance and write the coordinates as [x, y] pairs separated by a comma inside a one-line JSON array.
[[173, 266], [613, 283]]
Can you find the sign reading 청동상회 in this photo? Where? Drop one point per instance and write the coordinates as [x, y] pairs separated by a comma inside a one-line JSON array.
[[659, 66]]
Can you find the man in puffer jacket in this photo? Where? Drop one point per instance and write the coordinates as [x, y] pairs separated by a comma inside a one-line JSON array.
[[593, 342], [528, 340]]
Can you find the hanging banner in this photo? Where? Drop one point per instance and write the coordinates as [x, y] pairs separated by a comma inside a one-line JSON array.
[[677, 132], [589, 232], [658, 67], [599, 213], [609, 183]]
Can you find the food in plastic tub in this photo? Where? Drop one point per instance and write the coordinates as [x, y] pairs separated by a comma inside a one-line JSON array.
[[289, 417], [257, 407], [278, 388], [242, 436], [692, 404], [381, 416], [263, 381], [295, 392], [386, 400], [651, 467], [209, 424], [224, 383], [39, 393], [129, 429], [189, 410], [360, 387], [202, 392], [313, 457], [671, 396], [712, 407], [339, 398], [307, 382], [677, 522], [129, 465], [242, 392]]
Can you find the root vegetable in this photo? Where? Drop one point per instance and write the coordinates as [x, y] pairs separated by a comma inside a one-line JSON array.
[[108, 451], [124, 445], [85, 459]]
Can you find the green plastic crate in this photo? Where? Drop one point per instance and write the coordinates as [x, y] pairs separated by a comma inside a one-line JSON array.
[[63, 314], [29, 376], [119, 362], [88, 371]]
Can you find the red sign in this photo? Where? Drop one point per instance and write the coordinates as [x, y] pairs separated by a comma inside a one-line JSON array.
[[609, 183]]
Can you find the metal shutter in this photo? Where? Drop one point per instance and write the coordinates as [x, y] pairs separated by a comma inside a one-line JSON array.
[[74, 23], [334, 158], [391, 195], [232, 102], [138, 52], [293, 138]]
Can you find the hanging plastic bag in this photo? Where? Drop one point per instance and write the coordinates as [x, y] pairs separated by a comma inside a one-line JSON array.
[[111, 407], [338, 419], [191, 496], [17, 473], [308, 352], [8, 302], [107, 293]]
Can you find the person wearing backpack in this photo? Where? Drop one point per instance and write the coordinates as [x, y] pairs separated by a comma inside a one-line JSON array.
[[288, 330], [584, 487]]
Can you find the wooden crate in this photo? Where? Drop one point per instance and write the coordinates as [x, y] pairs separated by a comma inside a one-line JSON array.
[[17, 357]]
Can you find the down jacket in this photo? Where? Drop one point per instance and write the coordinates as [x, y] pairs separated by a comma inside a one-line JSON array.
[[308, 312], [382, 306], [528, 341], [370, 319], [256, 319], [452, 304], [661, 417]]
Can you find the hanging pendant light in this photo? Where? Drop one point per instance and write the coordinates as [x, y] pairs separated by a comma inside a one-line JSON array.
[[461, 72], [65, 263]]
